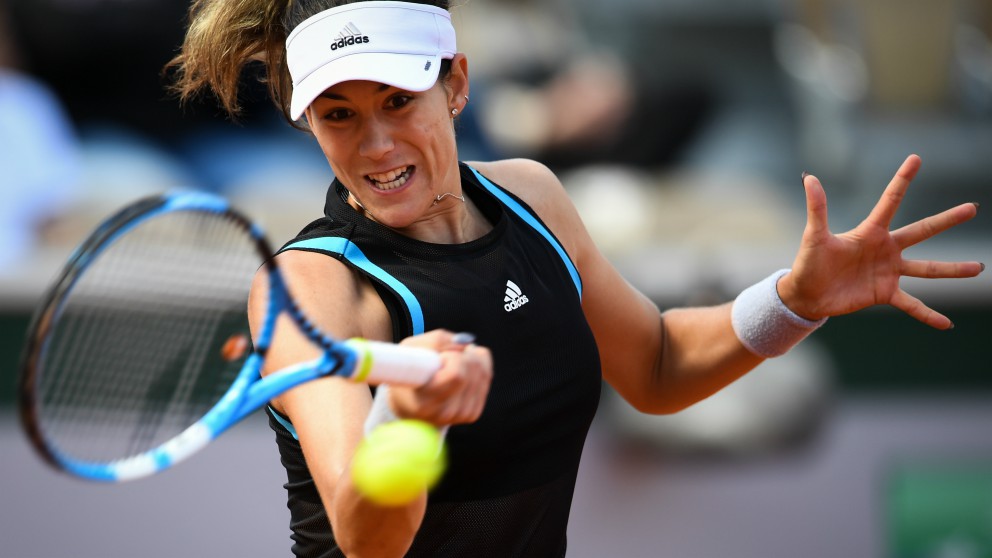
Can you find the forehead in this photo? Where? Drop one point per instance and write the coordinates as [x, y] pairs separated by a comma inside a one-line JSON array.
[[352, 89]]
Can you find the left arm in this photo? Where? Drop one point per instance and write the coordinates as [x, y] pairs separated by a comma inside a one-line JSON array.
[[659, 362], [664, 362]]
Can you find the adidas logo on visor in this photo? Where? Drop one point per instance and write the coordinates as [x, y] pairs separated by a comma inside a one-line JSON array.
[[349, 36], [515, 298]]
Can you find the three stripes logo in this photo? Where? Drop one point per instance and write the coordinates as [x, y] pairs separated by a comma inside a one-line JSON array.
[[515, 298], [349, 36]]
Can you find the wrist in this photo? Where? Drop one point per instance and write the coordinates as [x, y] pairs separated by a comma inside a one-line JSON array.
[[788, 293], [764, 324]]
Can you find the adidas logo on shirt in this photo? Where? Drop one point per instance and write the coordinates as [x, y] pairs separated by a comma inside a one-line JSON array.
[[515, 298], [348, 36]]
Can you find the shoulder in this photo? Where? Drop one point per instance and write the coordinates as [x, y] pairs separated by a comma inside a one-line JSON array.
[[336, 297], [540, 188], [537, 186], [311, 270], [529, 180]]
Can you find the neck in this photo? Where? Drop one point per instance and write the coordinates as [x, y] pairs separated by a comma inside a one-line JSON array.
[[449, 218], [454, 219]]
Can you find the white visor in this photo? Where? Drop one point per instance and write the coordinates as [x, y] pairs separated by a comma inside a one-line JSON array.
[[395, 43]]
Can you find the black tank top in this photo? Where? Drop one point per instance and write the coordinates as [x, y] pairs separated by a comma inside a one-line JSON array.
[[508, 487]]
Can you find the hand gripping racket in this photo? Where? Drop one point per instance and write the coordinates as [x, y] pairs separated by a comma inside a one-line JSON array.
[[140, 355]]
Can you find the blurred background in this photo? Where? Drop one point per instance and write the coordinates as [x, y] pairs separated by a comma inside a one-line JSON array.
[[680, 128]]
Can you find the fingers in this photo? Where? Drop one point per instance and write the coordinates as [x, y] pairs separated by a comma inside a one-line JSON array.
[[935, 224], [926, 269], [461, 387], [457, 393], [816, 206], [439, 340], [884, 211], [915, 308], [931, 270]]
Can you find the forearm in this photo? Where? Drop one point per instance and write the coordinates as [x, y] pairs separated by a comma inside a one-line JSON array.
[[700, 354], [705, 349], [362, 528], [329, 416], [664, 363], [376, 525]]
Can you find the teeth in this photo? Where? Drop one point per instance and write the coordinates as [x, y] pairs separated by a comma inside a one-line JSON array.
[[391, 179]]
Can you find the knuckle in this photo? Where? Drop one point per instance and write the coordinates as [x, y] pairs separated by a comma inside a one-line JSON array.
[[447, 416]]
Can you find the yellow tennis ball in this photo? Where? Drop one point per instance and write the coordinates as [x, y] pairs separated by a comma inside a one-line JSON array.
[[397, 461]]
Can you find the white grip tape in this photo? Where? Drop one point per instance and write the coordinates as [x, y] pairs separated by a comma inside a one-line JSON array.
[[380, 413], [388, 363]]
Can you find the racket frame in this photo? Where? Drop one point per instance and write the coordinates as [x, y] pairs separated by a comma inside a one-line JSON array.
[[247, 393]]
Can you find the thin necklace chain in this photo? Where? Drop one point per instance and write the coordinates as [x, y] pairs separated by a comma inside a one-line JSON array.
[[440, 197]]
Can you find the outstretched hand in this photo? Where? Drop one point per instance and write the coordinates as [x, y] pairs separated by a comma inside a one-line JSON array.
[[843, 273]]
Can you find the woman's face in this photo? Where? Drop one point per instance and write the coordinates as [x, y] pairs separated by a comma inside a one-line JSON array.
[[393, 149]]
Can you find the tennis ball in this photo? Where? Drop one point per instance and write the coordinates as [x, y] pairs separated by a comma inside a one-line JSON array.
[[397, 461]]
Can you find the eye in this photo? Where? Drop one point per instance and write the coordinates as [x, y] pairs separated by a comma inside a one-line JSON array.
[[399, 101], [337, 114]]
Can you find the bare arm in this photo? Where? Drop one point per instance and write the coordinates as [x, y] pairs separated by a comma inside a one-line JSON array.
[[659, 363], [329, 414], [664, 363]]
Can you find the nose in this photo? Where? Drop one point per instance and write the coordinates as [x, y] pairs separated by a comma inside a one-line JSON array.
[[376, 140]]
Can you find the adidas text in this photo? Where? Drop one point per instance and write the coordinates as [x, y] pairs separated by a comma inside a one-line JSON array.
[[341, 43], [516, 303]]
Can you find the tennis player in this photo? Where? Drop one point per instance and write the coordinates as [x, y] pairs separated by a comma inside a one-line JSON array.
[[415, 245]]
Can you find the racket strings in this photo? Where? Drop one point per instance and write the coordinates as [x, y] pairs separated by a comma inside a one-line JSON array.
[[77, 399], [135, 355]]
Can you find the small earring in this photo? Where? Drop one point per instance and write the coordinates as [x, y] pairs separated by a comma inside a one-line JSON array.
[[466, 98], [454, 112]]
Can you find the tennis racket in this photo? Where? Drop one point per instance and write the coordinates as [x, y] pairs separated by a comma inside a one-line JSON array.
[[140, 354]]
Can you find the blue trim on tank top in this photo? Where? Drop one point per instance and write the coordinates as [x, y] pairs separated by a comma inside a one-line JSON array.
[[531, 220], [284, 422], [354, 254]]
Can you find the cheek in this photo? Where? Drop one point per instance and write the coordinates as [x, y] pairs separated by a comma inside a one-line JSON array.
[[334, 148], [439, 130]]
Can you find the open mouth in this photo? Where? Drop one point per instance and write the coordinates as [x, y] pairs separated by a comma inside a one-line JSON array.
[[390, 180]]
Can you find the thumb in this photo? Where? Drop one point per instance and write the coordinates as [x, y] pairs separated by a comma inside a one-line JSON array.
[[816, 206]]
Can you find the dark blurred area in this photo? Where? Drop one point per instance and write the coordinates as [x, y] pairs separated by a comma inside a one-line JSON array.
[[680, 129], [106, 58]]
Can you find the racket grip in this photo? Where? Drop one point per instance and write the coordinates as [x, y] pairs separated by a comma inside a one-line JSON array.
[[388, 363]]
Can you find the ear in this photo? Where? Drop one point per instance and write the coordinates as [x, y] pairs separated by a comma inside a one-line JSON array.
[[457, 82]]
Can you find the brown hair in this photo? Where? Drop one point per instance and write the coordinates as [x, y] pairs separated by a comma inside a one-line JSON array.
[[224, 36]]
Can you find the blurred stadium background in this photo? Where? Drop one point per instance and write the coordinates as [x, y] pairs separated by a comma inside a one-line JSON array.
[[681, 128]]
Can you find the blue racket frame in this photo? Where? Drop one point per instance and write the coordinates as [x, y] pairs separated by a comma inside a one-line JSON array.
[[247, 393]]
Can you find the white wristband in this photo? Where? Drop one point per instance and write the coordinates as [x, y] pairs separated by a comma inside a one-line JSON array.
[[380, 413], [764, 324]]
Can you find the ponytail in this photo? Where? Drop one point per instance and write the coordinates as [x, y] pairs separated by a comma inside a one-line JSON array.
[[222, 38]]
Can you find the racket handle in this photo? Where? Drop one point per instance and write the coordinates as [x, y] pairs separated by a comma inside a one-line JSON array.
[[388, 363], [380, 414]]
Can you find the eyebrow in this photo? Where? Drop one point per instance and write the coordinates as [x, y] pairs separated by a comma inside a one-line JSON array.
[[336, 97]]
